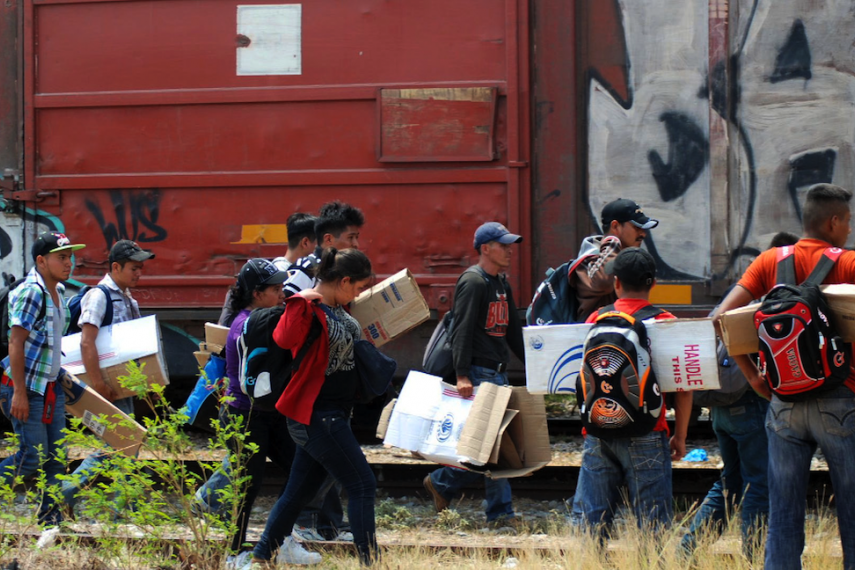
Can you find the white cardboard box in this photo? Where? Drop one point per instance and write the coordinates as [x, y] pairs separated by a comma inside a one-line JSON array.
[[682, 353], [137, 339], [390, 308], [500, 431]]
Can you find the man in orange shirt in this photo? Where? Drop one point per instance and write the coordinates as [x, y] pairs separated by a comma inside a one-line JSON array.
[[796, 428]]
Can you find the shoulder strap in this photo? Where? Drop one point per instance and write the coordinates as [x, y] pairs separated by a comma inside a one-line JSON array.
[[823, 267], [647, 312], [786, 271], [108, 312]]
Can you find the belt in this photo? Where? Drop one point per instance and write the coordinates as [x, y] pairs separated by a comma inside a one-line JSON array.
[[491, 364]]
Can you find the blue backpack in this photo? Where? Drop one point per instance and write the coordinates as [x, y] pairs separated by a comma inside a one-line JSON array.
[[74, 307]]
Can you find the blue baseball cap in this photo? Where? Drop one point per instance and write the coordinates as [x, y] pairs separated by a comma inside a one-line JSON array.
[[494, 231]]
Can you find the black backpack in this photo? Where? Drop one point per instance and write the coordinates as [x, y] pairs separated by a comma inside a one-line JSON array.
[[801, 354], [554, 301], [74, 308], [620, 395], [264, 367], [4, 313]]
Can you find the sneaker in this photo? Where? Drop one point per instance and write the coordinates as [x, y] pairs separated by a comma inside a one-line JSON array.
[[48, 538], [238, 561], [306, 534], [344, 536], [292, 552], [439, 502]]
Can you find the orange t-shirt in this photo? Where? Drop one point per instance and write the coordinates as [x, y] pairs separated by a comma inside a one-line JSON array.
[[630, 306], [762, 274]]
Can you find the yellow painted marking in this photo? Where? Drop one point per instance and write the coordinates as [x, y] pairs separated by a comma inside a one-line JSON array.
[[671, 295], [263, 233]]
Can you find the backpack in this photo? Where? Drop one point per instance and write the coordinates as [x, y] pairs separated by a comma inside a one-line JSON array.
[[4, 314], [438, 358], [734, 385], [74, 307], [801, 354], [264, 367], [620, 396]]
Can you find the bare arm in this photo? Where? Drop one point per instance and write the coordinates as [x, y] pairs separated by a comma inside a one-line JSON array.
[[90, 362], [682, 413], [20, 403]]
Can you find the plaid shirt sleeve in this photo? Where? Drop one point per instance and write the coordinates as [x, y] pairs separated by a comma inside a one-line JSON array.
[[93, 306], [25, 303]]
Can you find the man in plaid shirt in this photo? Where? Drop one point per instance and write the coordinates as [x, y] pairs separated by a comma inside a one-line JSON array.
[[30, 396], [126, 265]]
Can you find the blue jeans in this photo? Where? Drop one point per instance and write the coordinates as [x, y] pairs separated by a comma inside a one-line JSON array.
[[89, 467], [449, 481], [327, 444], [741, 433], [40, 446], [642, 463], [795, 430]]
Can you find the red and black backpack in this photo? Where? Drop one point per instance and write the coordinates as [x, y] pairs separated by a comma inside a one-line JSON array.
[[801, 354]]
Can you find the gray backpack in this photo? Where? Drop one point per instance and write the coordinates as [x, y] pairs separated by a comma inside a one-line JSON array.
[[733, 383]]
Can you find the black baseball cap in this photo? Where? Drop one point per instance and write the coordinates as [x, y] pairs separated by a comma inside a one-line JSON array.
[[623, 210], [259, 272], [494, 231], [634, 266], [52, 242], [127, 249]]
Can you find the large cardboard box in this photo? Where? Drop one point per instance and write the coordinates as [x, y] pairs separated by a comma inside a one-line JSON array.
[[740, 335], [500, 431], [682, 352], [118, 429], [390, 308], [138, 340], [216, 334]]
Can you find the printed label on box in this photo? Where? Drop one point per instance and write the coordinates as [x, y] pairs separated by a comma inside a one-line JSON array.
[[90, 420]]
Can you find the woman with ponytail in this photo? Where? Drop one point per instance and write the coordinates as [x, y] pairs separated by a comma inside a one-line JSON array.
[[317, 402]]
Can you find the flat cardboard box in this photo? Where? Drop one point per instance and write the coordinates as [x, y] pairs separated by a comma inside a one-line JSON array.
[[215, 334], [740, 335], [390, 308], [501, 431], [118, 344], [118, 429], [683, 354], [202, 358]]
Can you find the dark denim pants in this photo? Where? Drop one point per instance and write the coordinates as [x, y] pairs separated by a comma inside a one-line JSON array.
[[39, 446], [741, 433], [795, 430], [327, 444], [448, 481], [642, 463]]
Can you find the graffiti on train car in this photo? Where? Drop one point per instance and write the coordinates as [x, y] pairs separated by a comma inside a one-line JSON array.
[[130, 215], [785, 93]]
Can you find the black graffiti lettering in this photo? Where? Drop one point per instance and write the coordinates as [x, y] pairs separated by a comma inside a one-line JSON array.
[[793, 59], [809, 169], [143, 208], [723, 89], [688, 152], [5, 244]]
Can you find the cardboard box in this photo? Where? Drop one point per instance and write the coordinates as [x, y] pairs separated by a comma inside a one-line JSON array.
[[390, 308], [118, 429], [740, 335], [138, 340], [202, 358], [215, 334], [683, 356], [500, 431]]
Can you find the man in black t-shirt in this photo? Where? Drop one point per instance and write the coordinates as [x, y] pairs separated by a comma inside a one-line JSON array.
[[486, 323]]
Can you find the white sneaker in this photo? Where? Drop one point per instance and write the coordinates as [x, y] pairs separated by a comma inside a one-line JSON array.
[[238, 561], [344, 536], [292, 552], [48, 538], [306, 534]]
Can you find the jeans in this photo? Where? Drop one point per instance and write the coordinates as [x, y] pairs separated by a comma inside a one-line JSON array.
[[89, 468], [642, 463], [327, 444], [40, 446], [741, 433], [449, 481], [795, 430]]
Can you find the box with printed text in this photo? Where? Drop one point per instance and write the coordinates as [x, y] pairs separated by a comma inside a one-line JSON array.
[[390, 308]]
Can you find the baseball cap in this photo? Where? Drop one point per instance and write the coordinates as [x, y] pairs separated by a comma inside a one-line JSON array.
[[127, 249], [52, 242], [624, 210], [494, 231], [634, 266], [260, 272]]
